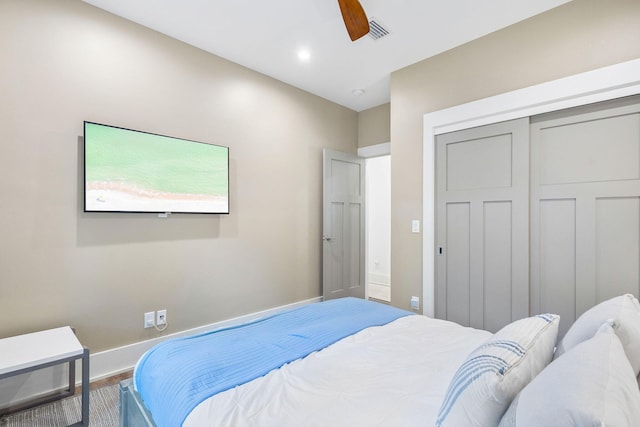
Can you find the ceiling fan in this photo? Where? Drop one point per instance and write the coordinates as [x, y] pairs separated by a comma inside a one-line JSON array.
[[355, 19]]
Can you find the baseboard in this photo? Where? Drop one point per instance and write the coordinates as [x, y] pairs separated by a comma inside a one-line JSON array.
[[115, 361]]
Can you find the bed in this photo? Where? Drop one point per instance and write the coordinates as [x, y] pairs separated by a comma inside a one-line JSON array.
[[351, 362]]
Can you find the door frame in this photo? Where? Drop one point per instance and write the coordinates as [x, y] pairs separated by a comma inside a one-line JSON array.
[[368, 152], [603, 84]]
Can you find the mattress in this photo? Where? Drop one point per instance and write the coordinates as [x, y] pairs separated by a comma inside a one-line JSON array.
[[396, 374]]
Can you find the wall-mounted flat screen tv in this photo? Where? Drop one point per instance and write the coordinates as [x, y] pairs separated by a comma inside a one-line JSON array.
[[127, 170]]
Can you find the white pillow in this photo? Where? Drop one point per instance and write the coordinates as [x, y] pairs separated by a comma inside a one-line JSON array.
[[625, 312], [591, 385], [482, 389]]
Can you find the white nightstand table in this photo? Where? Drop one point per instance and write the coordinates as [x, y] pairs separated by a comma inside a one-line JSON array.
[[30, 352]]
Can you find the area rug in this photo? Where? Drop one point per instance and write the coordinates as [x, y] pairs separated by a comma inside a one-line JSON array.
[[103, 411]]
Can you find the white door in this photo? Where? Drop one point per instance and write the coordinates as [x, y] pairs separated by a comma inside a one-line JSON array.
[[585, 199], [482, 205], [343, 253]]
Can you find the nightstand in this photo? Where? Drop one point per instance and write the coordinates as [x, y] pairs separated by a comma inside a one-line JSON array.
[[38, 350]]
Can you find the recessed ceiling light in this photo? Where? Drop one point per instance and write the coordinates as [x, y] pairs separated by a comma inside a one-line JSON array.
[[304, 55], [357, 92]]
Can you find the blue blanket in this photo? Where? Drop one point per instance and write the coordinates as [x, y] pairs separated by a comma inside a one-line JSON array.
[[175, 376]]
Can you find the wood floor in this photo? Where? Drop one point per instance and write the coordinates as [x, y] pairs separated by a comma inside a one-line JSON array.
[[106, 381]]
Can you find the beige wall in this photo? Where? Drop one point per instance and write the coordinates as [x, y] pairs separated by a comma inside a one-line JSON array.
[[579, 36], [64, 62], [374, 125]]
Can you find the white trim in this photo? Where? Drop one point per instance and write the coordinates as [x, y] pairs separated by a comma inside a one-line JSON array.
[[121, 359], [377, 150], [606, 83]]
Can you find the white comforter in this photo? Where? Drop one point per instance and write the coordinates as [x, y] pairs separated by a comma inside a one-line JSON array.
[[393, 375]]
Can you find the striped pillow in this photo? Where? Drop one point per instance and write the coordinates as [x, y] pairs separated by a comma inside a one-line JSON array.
[[494, 373]]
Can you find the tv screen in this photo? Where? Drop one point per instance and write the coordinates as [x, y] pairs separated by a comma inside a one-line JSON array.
[[127, 170]]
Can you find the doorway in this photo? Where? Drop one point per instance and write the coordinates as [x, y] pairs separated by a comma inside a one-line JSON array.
[[378, 190], [351, 230]]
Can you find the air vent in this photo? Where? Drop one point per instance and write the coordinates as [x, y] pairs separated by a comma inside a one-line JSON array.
[[377, 30]]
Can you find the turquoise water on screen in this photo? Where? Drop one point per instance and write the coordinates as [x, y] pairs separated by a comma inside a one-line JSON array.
[[154, 162]]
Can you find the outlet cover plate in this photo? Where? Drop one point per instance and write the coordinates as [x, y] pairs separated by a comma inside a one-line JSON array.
[[149, 319], [161, 317]]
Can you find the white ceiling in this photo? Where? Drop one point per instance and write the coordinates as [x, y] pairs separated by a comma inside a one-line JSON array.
[[267, 35]]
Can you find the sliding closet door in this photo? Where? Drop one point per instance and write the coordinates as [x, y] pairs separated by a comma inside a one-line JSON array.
[[482, 205], [585, 216]]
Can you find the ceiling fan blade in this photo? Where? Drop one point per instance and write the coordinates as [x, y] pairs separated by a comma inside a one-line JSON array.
[[355, 19]]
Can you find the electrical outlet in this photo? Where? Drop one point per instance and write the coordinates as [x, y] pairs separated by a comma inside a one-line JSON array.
[[149, 319], [415, 303], [161, 317]]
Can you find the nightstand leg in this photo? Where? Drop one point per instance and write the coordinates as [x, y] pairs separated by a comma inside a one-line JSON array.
[[85, 387]]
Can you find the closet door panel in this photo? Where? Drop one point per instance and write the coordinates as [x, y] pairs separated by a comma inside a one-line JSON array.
[[557, 258], [482, 207], [617, 246], [497, 264], [479, 163], [585, 207], [458, 262], [600, 149]]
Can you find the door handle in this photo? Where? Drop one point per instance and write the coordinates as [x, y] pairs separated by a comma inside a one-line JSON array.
[[326, 238]]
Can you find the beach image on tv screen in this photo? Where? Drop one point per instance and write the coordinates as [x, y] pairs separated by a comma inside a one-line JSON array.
[[131, 171]]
